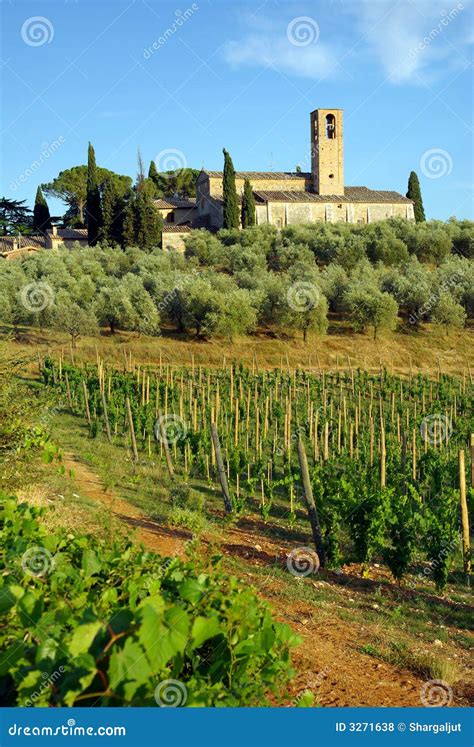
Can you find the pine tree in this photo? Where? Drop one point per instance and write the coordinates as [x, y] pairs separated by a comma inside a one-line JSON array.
[[41, 216], [231, 203], [93, 209], [248, 206], [414, 193]]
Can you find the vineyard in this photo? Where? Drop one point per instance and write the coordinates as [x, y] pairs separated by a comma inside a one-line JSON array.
[[374, 466]]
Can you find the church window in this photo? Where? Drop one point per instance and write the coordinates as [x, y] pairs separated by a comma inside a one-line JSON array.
[[330, 127]]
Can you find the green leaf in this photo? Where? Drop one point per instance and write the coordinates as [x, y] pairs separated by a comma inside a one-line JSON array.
[[11, 656], [191, 591], [83, 636], [30, 608], [9, 595], [90, 563], [203, 629], [128, 664], [7, 600]]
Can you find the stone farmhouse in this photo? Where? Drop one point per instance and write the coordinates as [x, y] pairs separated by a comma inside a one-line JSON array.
[[288, 198], [12, 247]]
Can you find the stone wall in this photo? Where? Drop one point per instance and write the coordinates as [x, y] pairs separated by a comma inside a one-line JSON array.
[[173, 242], [297, 184], [291, 213]]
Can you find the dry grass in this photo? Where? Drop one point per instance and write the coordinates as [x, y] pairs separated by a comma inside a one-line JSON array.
[[424, 351], [64, 512]]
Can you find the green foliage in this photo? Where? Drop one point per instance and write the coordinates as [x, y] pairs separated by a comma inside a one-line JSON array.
[[405, 526], [41, 216], [69, 317], [372, 308], [182, 496], [96, 624], [147, 222], [406, 521], [414, 193], [181, 182], [248, 206], [93, 203], [231, 203], [112, 205], [15, 217], [448, 312], [70, 186]]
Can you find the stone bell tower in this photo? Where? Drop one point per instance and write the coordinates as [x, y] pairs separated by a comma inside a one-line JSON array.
[[327, 151]]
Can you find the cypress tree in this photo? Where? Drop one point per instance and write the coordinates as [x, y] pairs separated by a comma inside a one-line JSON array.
[[111, 209], [41, 216], [128, 232], [414, 193], [231, 203], [152, 172], [248, 206], [148, 223], [93, 210]]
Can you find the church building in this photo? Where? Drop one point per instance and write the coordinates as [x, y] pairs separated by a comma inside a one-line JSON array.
[[288, 198]]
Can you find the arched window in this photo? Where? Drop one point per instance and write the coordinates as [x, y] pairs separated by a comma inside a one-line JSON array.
[[330, 127]]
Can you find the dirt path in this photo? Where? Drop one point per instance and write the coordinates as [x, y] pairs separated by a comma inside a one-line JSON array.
[[164, 540], [327, 662]]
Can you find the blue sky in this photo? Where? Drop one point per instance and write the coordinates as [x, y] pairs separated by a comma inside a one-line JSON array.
[[182, 80]]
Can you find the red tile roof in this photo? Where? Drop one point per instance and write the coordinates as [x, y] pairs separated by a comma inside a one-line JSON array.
[[172, 228], [351, 194], [174, 202]]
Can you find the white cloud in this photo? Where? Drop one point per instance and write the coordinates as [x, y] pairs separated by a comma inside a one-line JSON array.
[[410, 37], [312, 61]]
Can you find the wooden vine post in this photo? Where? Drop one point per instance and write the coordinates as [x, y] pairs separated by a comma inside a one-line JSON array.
[[221, 469], [383, 458], [106, 417], [472, 460], [132, 429], [164, 442], [466, 547], [86, 401], [312, 512]]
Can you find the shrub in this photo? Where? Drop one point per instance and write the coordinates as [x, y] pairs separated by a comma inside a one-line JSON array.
[[87, 623], [182, 496]]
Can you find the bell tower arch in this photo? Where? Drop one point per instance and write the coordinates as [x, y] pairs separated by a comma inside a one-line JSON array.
[[327, 151]]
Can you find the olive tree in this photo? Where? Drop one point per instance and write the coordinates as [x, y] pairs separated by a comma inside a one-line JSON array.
[[371, 307]]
